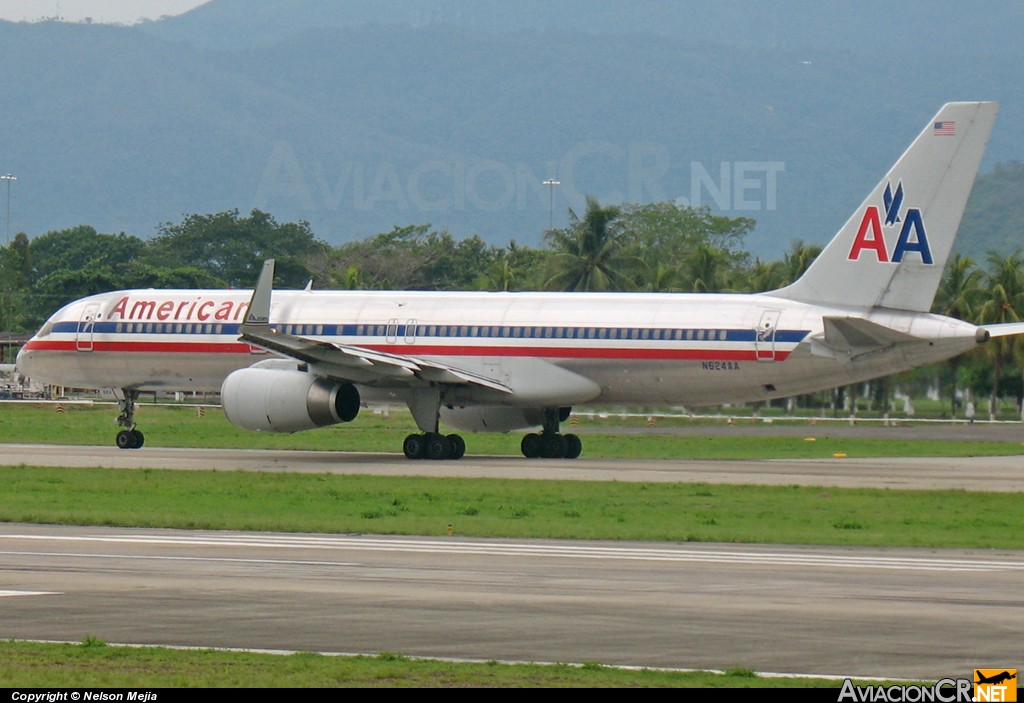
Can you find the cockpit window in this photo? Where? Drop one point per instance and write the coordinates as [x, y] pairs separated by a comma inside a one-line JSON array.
[[45, 329]]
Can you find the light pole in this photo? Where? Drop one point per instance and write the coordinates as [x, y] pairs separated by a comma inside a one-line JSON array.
[[551, 183], [10, 177]]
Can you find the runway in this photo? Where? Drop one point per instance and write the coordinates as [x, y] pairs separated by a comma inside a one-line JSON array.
[[921, 614], [1000, 473], [829, 611]]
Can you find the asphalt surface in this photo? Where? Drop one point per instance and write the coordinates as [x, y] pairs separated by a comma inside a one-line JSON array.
[[922, 614], [828, 611], [1000, 473]]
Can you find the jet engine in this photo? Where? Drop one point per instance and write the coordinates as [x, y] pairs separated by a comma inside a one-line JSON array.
[[286, 400]]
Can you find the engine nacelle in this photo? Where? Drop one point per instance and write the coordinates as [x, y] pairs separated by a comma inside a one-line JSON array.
[[492, 418], [286, 400]]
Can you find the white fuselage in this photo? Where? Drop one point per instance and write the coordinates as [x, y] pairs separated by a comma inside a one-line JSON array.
[[638, 348]]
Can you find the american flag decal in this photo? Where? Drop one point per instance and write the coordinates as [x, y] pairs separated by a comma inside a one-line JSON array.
[[944, 129]]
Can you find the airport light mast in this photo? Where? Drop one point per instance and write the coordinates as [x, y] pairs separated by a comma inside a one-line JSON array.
[[10, 178], [551, 183]]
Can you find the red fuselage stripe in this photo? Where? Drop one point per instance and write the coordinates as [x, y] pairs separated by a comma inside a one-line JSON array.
[[424, 350]]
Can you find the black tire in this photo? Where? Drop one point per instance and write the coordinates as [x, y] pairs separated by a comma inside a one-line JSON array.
[[555, 446], [532, 446], [458, 446], [139, 439], [438, 447], [124, 440], [573, 446], [415, 446]]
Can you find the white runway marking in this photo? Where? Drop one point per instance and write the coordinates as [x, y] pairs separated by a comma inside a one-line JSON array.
[[797, 557], [10, 594]]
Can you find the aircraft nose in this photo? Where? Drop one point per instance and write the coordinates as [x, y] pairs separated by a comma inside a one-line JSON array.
[[23, 362]]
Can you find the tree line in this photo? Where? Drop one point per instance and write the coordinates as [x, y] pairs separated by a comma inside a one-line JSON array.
[[653, 247]]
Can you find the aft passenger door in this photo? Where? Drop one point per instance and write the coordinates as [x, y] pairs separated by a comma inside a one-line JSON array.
[[764, 336]]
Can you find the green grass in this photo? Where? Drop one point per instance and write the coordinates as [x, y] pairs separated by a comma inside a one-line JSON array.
[[674, 512], [93, 664], [176, 426], [475, 507]]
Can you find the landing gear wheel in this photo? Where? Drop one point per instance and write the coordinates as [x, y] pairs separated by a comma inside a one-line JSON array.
[[129, 439], [458, 446], [438, 447], [415, 446], [555, 446], [532, 446], [573, 446]]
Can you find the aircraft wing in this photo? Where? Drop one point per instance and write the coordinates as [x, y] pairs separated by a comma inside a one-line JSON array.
[[1005, 329], [348, 362]]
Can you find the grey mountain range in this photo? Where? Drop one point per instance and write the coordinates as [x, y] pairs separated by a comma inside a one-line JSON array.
[[358, 116]]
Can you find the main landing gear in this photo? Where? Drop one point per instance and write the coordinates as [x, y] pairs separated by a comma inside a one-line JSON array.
[[551, 444], [128, 438], [434, 445], [425, 406]]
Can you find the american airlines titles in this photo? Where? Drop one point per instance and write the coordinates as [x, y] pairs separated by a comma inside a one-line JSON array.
[[178, 310]]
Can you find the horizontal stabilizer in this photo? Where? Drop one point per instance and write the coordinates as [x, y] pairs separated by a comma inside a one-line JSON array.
[[1004, 330], [855, 333]]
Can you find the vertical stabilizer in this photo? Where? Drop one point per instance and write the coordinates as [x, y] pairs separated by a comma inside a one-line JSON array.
[[892, 250]]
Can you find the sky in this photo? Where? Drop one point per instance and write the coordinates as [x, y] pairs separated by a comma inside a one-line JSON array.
[[106, 11]]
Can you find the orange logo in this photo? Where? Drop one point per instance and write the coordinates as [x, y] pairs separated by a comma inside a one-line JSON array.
[[995, 685]]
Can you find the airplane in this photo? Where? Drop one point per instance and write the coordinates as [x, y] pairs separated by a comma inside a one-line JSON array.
[[286, 361], [996, 679]]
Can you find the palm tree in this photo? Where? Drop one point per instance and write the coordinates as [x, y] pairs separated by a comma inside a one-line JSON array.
[[764, 276], [959, 296], [1004, 302], [589, 253], [797, 260], [707, 270]]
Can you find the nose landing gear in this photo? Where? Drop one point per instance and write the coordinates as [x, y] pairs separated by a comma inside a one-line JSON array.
[[128, 438]]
